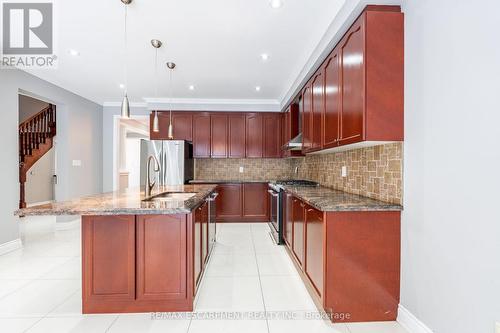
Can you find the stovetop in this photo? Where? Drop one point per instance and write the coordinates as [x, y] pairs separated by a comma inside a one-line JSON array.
[[295, 182]]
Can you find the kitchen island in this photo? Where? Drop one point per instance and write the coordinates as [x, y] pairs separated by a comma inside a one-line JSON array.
[[141, 254]]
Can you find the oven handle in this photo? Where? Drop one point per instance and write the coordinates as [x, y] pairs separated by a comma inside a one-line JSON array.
[[271, 192]]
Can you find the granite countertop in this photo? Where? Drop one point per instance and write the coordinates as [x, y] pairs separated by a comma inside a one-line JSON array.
[[232, 181], [127, 202], [329, 200]]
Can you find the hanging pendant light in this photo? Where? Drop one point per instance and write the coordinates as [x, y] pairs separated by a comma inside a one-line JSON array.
[[170, 66], [125, 108], [156, 44]]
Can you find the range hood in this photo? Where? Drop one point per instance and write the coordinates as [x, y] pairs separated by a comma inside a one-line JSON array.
[[294, 144]]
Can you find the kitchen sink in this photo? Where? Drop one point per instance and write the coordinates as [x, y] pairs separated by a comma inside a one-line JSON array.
[[171, 196]]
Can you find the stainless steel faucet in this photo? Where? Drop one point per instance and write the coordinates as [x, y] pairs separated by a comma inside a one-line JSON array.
[[150, 185]]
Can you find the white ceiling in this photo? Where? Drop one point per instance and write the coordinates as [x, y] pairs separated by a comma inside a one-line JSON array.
[[216, 45]]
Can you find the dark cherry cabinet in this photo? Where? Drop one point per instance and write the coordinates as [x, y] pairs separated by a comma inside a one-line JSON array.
[[317, 91], [198, 221], [298, 230], [228, 202], [182, 124], [288, 219], [236, 136], [350, 260], [356, 95], [314, 247], [255, 203], [201, 135], [218, 135], [307, 118], [108, 240], [272, 135], [331, 119], [254, 135], [352, 85], [161, 251]]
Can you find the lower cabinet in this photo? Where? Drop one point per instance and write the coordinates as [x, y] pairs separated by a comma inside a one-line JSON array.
[[298, 230], [161, 257], [349, 261], [136, 263], [314, 247], [242, 202]]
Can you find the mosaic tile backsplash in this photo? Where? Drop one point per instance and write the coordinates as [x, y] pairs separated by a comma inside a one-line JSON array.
[[375, 172]]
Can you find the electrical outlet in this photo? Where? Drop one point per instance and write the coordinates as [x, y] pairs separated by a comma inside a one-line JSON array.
[[497, 327], [241, 169], [344, 171]]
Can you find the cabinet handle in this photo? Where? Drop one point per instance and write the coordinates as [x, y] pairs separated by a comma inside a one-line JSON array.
[[310, 210], [302, 205]]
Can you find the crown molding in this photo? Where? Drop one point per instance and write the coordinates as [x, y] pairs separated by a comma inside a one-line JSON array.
[[200, 104]]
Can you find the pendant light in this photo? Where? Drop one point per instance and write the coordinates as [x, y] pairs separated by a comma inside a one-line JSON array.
[[125, 109], [170, 66], [156, 44]]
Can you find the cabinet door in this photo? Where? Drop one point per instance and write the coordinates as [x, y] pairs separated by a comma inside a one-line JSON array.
[[288, 208], [353, 84], [331, 119], [228, 202], [255, 201], [108, 258], [161, 257], [298, 230], [306, 118], [272, 134], [197, 244], [218, 132], [182, 123], [204, 234], [236, 136], [314, 248], [201, 135], [317, 110], [254, 135]]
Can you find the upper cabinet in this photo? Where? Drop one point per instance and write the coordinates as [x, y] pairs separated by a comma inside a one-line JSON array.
[[357, 93], [331, 119], [254, 135], [218, 135], [236, 135], [201, 135], [182, 123], [318, 105], [272, 135]]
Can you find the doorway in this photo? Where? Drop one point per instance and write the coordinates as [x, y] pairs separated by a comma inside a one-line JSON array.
[[37, 153]]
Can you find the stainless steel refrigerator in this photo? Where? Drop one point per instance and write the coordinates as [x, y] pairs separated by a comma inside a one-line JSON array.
[[175, 159]]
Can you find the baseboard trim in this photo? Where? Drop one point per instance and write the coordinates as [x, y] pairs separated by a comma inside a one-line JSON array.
[[13, 245], [61, 226], [411, 323]]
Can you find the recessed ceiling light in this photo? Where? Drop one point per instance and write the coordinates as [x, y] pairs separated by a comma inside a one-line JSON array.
[[264, 56], [257, 88], [122, 86], [276, 3], [191, 87], [74, 53]]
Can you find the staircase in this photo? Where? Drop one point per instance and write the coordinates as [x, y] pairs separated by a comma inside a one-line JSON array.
[[35, 139]]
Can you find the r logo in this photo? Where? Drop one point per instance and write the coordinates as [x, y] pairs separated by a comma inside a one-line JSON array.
[[27, 28]]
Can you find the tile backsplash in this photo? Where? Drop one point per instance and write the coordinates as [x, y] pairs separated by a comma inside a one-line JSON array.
[[253, 169], [375, 172]]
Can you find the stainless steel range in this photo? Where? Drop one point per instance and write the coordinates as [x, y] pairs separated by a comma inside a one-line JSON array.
[[276, 196]]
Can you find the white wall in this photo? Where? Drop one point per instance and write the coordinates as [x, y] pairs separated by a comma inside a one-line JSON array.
[[39, 186], [451, 221], [110, 137], [79, 136], [133, 162]]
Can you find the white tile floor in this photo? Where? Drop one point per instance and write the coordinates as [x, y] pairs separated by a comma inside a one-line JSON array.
[[40, 288]]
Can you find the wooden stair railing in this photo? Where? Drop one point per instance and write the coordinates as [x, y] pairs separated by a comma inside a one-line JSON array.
[[35, 140]]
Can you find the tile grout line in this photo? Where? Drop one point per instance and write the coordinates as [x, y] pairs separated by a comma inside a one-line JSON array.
[[112, 323], [260, 281]]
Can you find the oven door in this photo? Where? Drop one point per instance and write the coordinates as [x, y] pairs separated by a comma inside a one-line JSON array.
[[274, 198]]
